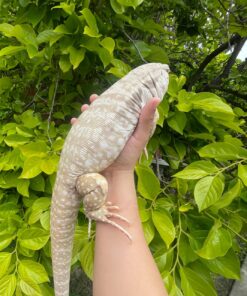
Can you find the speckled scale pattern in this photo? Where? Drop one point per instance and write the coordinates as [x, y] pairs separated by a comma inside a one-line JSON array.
[[92, 144]]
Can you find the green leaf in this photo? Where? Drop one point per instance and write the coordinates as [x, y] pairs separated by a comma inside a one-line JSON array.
[[177, 122], [164, 226], [29, 119], [186, 253], [157, 55], [118, 8], [15, 140], [33, 238], [204, 120], [49, 165], [170, 285], [210, 102], [31, 51], [26, 252], [39, 212], [221, 151], [10, 50], [42, 203], [92, 28], [228, 196], [5, 84], [132, 3], [173, 87], [104, 56], [203, 136], [32, 271], [186, 207], [60, 30], [242, 173], [34, 216], [8, 179], [193, 284], [48, 35], [64, 63], [148, 184], [181, 186], [58, 144], [217, 243], [5, 240], [8, 208], [6, 29], [37, 183], [5, 259], [22, 186], [8, 285], [227, 266], [25, 34], [87, 258], [149, 231], [163, 109], [140, 47], [31, 167], [197, 170], [80, 239], [45, 220], [24, 131], [120, 69], [235, 222], [30, 288], [180, 148], [164, 260], [68, 8], [33, 14], [144, 213], [207, 191], [108, 43], [76, 56], [46, 290], [39, 149], [172, 157]]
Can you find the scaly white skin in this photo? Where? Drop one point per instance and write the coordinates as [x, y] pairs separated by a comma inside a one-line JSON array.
[[92, 144]]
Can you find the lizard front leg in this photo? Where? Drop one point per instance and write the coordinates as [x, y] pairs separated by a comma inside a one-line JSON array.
[[93, 188]]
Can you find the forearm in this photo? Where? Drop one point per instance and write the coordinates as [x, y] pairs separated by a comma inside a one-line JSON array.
[[122, 267]]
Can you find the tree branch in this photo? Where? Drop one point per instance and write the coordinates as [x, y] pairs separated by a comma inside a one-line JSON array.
[[229, 91], [182, 62], [195, 77], [51, 109], [230, 62], [137, 49]]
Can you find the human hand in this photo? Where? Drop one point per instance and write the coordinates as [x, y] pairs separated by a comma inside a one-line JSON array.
[[130, 154]]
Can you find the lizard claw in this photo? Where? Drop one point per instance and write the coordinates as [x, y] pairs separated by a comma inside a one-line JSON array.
[[118, 227], [118, 216], [112, 207]]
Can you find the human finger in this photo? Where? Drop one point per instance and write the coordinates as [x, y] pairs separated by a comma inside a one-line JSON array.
[[146, 121], [73, 120], [93, 97], [84, 107]]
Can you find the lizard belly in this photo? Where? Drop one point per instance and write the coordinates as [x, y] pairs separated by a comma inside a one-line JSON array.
[[102, 140]]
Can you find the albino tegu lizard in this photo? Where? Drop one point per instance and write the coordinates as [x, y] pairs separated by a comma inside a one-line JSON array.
[[92, 144]]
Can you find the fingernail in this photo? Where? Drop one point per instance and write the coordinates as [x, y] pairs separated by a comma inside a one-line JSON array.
[[156, 103]]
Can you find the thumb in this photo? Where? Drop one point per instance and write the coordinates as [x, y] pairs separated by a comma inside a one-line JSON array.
[[146, 122]]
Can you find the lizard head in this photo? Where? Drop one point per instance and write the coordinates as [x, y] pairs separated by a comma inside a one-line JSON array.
[[154, 79]]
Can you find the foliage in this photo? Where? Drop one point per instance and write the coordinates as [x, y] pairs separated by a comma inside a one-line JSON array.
[[51, 54], [195, 215]]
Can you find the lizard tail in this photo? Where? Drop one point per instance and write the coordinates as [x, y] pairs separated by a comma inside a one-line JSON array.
[[64, 211]]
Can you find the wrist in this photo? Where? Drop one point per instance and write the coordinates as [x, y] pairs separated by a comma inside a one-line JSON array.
[[116, 174]]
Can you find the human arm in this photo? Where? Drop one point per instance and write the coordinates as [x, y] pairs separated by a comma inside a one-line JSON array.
[[122, 267]]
